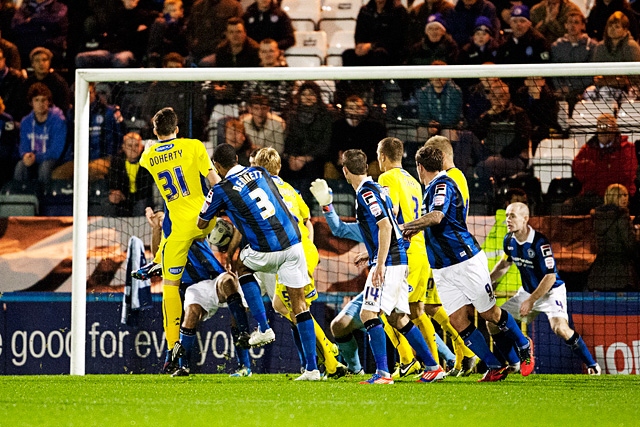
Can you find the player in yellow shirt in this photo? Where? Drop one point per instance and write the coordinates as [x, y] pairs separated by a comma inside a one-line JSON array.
[[178, 166], [433, 306], [406, 194], [269, 159]]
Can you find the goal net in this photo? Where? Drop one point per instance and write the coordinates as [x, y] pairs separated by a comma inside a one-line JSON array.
[[517, 135]]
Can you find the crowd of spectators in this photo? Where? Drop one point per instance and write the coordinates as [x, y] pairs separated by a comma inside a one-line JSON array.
[[495, 125]]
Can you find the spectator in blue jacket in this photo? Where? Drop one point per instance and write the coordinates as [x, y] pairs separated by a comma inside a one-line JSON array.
[[42, 136], [440, 100]]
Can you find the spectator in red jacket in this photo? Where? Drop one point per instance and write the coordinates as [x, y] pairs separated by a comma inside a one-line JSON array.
[[607, 158]]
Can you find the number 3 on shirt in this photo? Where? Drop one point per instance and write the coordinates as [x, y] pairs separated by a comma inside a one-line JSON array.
[[267, 209], [170, 180]]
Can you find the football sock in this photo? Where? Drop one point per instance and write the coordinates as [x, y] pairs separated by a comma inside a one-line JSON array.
[[239, 313], [399, 342], [307, 338], [172, 312], [243, 357], [415, 338], [443, 320], [505, 346], [476, 342], [349, 350], [423, 322], [579, 348], [298, 343], [378, 344], [444, 351], [252, 295], [330, 362], [508, 325], [188, 340]]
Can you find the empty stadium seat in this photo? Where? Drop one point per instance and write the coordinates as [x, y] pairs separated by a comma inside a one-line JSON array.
[[98, 202], [57, 199], [19, 198], [553, 159], [629, 119], [309, 50], [304, 14], [339, 15], [338, 43]]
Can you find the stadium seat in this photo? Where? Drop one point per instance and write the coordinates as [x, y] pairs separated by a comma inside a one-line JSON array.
[[481, 197], [629, 119], [585, 118], [19, 198], [338, 43], [57, 199], [304, 14], [560, 189], [98, 198], [339, 15], [310, 49], [553, 159]]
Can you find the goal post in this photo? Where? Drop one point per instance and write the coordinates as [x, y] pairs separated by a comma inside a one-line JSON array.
[[81, 132]]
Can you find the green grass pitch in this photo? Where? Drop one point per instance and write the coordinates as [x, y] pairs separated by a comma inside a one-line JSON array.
[[276, 400]]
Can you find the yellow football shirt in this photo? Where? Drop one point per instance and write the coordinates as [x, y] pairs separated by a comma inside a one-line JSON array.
[[458, 177], [295, 203], [406, 193], [178, 167]]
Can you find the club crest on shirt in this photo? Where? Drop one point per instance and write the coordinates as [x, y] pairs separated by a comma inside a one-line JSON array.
[[531, 253]]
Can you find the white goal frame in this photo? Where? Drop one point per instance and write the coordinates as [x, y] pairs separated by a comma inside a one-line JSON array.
[[81, 151]]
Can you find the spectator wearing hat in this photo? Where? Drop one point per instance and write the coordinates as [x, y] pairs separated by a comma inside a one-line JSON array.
[[618, 44], [483, 47], [574, 47], [600, 13], [421, 12], [40, 23], [461, 22], [40, 58], [436, 45], [381, 30], [549, 17], [525, 45]]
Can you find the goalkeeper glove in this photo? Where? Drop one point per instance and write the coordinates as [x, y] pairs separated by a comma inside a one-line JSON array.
[[322, 192]]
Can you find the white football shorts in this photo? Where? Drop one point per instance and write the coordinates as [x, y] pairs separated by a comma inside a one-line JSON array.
[[290, 265]]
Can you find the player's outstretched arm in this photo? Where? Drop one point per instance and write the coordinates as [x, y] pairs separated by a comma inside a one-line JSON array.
[[324, 196]]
